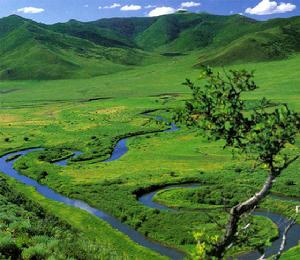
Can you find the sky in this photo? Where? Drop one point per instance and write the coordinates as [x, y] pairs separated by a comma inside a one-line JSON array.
[[52, 11]]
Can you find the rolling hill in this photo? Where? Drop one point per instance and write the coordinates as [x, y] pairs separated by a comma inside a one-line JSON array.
[[265, 41], [31, 50]]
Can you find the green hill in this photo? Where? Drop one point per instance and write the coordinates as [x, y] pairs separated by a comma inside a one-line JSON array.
[[9, 24], [270, 40], [129, 28], [31, 50], [101, 36], [188, 31]]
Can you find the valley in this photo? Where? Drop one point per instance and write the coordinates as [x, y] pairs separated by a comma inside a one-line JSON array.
[[83, 87]]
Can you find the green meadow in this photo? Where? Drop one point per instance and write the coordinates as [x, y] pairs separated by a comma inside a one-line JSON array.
[[78, 86], [91, 115]]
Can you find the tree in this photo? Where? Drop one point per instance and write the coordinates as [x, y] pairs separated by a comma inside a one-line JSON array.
[[263, 132]]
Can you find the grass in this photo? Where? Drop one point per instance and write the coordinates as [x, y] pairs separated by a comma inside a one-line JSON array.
[[279, 84], [60, 115], [292, 254]]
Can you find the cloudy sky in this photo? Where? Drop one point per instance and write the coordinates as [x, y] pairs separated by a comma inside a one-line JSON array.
[[51, 11]]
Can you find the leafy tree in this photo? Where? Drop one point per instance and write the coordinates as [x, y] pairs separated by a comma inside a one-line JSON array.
[[264, 133]]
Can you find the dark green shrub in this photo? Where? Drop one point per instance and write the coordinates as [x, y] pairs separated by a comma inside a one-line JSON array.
[[37, 252], [8, 247], [290, 183]]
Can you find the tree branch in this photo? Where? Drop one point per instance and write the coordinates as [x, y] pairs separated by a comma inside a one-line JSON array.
[[284, 237], [287, 163]]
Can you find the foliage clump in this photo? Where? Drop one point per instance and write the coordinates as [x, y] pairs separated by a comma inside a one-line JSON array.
[[27, 231], [263, 134]]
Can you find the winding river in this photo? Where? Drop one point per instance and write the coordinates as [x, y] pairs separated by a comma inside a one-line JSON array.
[[6, 167], [280, 221]]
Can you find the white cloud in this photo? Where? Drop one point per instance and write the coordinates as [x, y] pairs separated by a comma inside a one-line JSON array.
[[149, 6], [114, 5], [162, 11], [131, 8], [266, 7], [190, 4], [30, 10]]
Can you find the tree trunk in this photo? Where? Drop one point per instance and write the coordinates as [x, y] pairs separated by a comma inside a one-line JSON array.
[[235, 215]]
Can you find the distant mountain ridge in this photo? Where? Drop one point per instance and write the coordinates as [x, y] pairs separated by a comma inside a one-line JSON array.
[[30, 50]]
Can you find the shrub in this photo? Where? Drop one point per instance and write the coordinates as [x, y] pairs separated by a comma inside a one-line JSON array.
[[290, 183], [36, 252], [8, 247]]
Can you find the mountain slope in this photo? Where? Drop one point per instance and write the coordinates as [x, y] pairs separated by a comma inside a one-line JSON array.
[[93, 33], [219, 39], [31, 50], [9, 24], [185, 31], [129, 28], [279, 41]]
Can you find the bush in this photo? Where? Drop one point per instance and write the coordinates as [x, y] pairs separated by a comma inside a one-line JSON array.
[[8, 247], [290, 183], [36, 252]]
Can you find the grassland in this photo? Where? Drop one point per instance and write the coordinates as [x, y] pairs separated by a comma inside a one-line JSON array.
[[278, 80], [90, 115]]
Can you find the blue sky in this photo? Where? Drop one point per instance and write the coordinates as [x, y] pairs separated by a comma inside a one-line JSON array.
[[51, 11]]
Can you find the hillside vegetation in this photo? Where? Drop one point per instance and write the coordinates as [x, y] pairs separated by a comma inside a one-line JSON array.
[[27, 231], [31, 50]]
